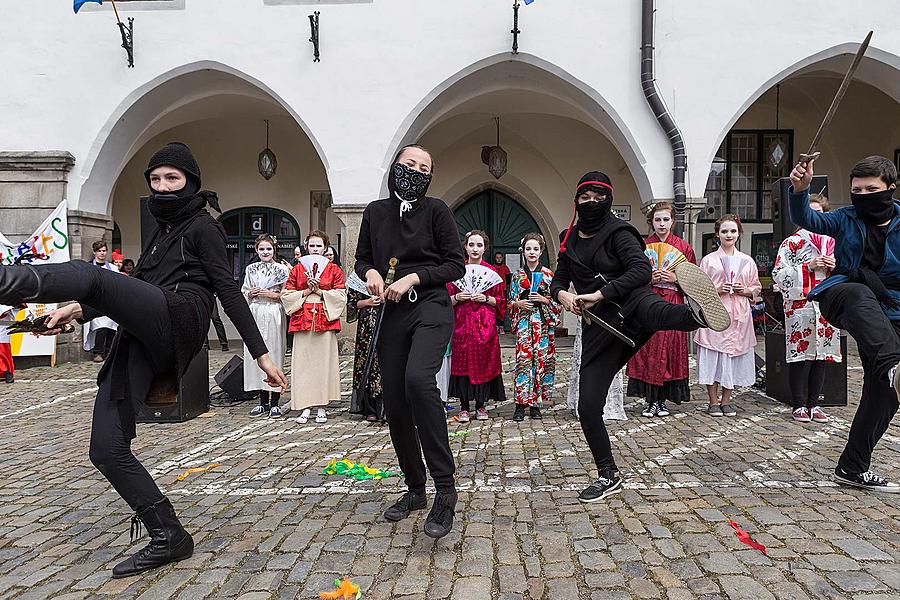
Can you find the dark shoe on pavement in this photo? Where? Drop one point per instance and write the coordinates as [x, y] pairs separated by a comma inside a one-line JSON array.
[[98, 358], [661, 410], [440, 519], [714, 410], [169, 542], [535, 413], [407, 503], [259, 411], [8, 377], [728, 410], [275, 413], [225, 348], [519, 414], [866, 481], [482, 414], [651, 410], [701, 295], [600, 489]]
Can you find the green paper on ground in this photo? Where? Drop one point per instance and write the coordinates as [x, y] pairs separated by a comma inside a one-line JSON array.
[[358, 471], [455, 434]]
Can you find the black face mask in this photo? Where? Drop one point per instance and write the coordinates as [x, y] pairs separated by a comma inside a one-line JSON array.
[[407, 184], [874, 208], [592, 215]]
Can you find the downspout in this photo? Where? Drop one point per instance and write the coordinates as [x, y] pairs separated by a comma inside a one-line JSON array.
[[662, 114]]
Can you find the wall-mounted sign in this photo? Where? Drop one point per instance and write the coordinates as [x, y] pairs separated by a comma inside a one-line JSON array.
[[623, 211]]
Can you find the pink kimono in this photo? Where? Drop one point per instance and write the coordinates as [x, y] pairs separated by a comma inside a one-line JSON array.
[[740, 338], [476, 344]]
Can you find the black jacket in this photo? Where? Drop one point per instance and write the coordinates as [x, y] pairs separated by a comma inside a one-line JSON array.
[[616, 252]]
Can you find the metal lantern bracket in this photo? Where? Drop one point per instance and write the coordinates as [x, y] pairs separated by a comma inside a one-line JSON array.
[[128, 39], [515, 30], [314, 34]]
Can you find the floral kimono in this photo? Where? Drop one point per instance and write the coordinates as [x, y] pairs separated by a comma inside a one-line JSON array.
[[535, 343], [808, 336], [365, 327]]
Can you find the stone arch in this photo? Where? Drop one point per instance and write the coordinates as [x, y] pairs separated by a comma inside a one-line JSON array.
[[143, 114]]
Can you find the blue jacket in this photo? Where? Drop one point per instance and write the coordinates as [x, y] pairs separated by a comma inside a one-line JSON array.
[[849, 233]]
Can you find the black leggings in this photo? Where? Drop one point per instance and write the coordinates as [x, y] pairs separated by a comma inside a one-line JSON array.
[[807, 380], [268, 399], [149, 352], [411, 346], [103, 339], [603, 355]]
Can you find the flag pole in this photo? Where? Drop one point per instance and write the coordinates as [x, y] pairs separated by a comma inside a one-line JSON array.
[[116, 10]]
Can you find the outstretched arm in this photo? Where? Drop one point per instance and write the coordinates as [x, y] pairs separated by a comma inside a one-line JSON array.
[[800, 212]]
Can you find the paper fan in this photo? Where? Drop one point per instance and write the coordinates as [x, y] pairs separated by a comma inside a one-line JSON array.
[[357, 285], [267, 275], [314, 264], [536, 279], [477, 279], [664, 257]]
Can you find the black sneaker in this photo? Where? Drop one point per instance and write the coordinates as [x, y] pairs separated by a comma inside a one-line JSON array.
[[407, 503], [866, 481], [535, 413], [519, 414], [652, 410], [8, 377], [600, 489], [661, 410], [440, 519]]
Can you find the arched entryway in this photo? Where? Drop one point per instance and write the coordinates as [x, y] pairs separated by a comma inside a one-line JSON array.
[[504, 220], [244, 225]]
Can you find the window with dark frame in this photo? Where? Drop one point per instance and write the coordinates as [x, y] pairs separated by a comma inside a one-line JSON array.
[[742, 173], [244, 225]]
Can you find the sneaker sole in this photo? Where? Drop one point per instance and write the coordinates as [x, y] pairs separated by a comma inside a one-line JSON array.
[[697, 285], [606, 494], [878, 490]]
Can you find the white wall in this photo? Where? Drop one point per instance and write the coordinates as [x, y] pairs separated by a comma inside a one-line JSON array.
[[66, 86]]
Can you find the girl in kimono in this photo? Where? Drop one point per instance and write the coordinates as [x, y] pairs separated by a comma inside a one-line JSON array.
[[263, 282], [659, 371], [362, 309], [475, 371], [315, 305], [533, 318], [726, 358], [804, 260], [7, 368]]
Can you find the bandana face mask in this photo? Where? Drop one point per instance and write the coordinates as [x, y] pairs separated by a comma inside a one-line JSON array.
[[408, 185]]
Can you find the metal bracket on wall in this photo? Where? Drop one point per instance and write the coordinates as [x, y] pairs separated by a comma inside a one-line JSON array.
[[127, 32], [515, 30], [314, 34]]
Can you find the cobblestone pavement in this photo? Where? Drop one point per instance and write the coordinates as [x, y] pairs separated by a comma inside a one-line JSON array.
[[267, 523]]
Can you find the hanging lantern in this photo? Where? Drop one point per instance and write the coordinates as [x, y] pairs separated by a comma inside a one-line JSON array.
[[495, 157], [267, 162], [777, 153]]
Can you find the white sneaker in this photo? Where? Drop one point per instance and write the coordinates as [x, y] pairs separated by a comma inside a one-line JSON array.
[[303, 418], [321, 416]]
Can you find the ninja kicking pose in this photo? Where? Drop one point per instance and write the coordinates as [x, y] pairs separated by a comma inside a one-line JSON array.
[[862, 295], [418, 322], [604, 258], [163, 310]]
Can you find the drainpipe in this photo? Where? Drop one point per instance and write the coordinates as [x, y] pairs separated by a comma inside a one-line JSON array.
[[662, 113]]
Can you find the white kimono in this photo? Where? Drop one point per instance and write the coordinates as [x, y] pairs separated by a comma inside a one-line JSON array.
[[808, 336], [270, 319], [614, 409]]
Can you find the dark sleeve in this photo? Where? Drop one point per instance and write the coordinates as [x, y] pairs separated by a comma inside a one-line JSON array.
[[446, 239], [818, 222], [364, 257], [561, 277], [211, 247], [636, 267]]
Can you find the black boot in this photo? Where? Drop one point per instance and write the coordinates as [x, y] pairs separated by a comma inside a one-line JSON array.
[[19, 283], [8, 377], [169, 542], [535, 413], [519, 415]]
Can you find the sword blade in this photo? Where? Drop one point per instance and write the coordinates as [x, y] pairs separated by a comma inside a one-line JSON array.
[[593, 318], [838, 97]]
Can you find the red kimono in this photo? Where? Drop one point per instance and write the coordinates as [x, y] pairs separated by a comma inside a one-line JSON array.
[[659, 371], [312, 316], [476, 344]]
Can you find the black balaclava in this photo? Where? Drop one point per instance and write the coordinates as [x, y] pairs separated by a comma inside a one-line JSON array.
[[874, 208], [407, 185], [172, 207], [591, 215]]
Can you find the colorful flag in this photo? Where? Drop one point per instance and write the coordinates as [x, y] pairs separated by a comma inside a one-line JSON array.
[[80, 3]]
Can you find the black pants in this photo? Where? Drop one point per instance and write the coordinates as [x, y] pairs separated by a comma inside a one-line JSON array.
[[103, 339], [411, 346], [149, 352], [218, 325], [853, 307], [603, 355], [807, 378]]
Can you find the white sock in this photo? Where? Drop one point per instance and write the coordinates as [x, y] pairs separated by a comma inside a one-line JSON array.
[[305, 413], [321, 413]]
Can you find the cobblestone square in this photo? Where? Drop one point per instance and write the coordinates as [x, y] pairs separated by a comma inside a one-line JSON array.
[[268, 524]]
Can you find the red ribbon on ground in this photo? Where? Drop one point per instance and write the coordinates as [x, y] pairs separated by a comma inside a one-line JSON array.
[[745, 538]]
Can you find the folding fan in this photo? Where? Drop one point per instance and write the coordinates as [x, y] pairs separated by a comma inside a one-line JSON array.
[[314, 264], [536, 279], [356, 284], [664, 257], [477, 279], [267, 275]]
